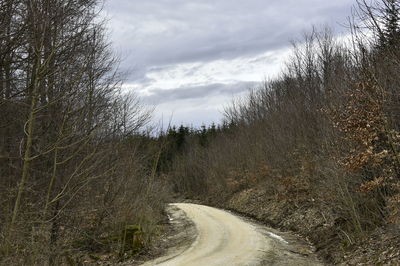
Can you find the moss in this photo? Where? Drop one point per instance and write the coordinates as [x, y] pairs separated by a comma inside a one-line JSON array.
[[130, 241], [133, 237], [94, 257]]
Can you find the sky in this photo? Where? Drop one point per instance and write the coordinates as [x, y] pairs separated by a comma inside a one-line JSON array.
[[189, 58]]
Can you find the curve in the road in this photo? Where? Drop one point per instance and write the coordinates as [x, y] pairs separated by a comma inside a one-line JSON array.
[[223, 239]]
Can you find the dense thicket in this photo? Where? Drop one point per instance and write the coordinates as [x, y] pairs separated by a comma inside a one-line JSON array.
[[71, 169], [325, 133]]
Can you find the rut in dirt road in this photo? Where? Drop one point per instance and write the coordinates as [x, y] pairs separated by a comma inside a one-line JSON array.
[[226, 239]]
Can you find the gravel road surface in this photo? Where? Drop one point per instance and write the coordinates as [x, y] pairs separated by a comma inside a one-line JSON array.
[[223, 238]]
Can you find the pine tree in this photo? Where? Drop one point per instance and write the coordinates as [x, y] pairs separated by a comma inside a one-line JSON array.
[[390, 33]]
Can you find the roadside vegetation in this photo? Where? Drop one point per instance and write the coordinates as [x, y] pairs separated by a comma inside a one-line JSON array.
[[316, 150], [75, 174]]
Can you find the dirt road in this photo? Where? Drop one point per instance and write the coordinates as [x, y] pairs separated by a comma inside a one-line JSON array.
[[225, 239]]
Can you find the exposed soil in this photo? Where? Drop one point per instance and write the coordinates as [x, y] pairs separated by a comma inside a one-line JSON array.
[[317, 225]]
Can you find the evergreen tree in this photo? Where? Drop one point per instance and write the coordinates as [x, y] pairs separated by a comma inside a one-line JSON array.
[[390, 34]]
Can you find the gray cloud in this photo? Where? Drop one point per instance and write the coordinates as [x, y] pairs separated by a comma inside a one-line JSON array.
[[159, 32], [155, 36], [161, 96]]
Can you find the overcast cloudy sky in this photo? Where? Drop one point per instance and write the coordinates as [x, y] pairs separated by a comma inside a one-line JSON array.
[[189, 57]]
